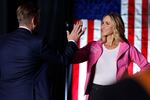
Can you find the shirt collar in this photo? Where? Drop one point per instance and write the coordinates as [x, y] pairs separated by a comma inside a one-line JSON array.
[[25, 28]]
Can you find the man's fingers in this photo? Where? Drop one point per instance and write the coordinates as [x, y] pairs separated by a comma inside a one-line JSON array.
[[79, 30], [82, 32], [68, 33]]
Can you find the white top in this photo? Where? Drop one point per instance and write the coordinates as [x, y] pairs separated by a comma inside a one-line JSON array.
[[105, 72]]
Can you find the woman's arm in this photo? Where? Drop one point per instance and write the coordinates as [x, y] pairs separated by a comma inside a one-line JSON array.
[[82, 54], [139, 58]]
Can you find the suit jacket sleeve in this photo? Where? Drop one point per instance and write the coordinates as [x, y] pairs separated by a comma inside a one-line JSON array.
[[63, 58]]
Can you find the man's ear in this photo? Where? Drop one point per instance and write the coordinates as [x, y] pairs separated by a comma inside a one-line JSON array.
[[33, 22]]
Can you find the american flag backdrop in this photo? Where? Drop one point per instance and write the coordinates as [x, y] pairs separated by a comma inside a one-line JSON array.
[[135, 14]]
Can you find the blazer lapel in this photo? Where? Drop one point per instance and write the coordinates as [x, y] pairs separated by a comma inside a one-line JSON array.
[[123, 47], [96, 51]]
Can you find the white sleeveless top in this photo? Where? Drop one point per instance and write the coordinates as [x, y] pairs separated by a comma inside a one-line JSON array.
[[106, 68]]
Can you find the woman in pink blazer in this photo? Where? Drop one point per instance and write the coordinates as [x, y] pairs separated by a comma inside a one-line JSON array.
[[108, 58]]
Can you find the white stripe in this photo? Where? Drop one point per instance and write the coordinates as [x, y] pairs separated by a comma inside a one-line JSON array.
[[124, 15], [148, 32], [137, 29], [97, 28], [83, 39], [82, 66], [135, 68], [82, 78]]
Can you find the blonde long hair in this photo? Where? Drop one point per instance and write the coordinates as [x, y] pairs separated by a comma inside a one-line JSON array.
[[119, 26]]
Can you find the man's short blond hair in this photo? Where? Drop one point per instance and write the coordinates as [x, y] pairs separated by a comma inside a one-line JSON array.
[[26, 11]]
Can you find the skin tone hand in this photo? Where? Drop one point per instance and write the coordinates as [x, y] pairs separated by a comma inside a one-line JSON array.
[[76, 32]]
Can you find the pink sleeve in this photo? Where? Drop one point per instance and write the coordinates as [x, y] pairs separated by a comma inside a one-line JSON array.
[[138, 58], [82, 54]]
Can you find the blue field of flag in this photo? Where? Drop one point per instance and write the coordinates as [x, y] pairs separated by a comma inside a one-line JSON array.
[[95, 9]]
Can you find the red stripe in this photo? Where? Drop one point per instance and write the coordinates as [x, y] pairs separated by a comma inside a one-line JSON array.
[[131, 13], [90, 30], [90, 37], [144, 27], [75, 81], [75, 77], [130, 69]]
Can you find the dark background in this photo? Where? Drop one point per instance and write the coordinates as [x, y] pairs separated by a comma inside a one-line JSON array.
[[54, 17]]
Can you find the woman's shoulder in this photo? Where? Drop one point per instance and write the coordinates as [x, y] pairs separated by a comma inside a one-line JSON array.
[[130, 47]]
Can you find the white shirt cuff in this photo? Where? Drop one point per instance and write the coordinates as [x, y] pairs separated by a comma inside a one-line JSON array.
[[72, 41]]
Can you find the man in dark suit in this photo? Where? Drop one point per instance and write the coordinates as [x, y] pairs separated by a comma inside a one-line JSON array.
[[22, 54]]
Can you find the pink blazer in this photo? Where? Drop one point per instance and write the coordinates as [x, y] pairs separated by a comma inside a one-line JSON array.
[[127, 53]]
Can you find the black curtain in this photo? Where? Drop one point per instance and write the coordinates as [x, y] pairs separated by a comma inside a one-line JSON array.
[[56, 17], [3, 16], [8, 20], [55, 14]]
